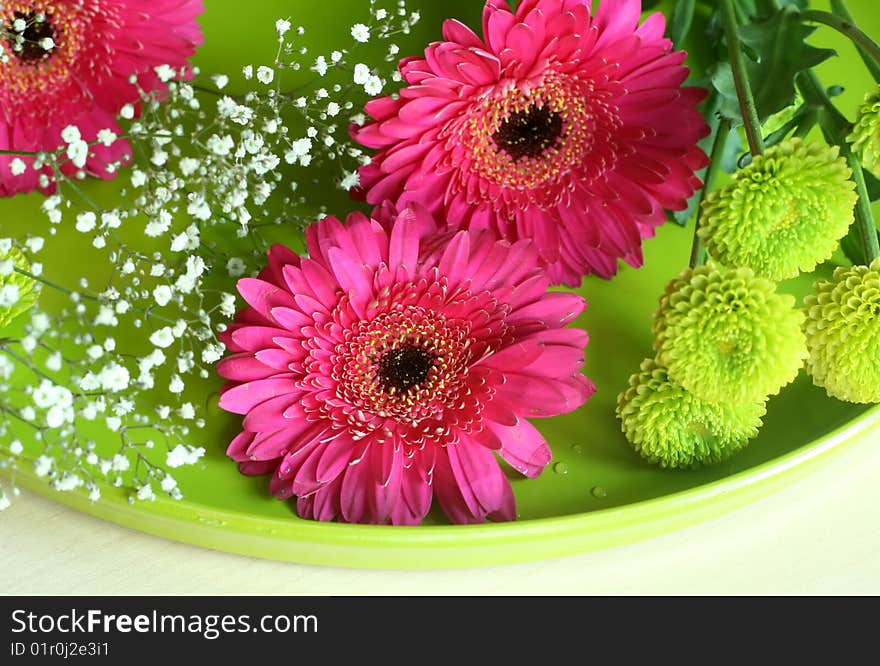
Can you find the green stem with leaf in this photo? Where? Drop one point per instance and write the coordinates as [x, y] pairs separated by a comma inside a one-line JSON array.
[[834, 126], [747, 106], [846, 28], [839, 8]]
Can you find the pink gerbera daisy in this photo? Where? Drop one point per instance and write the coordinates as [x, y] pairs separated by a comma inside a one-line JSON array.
[[69, 62], [392, 365], [564, 127]]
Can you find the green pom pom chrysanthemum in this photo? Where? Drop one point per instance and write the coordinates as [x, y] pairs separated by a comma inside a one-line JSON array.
[[843, 333], [18, 293], [865, 136], [727, 336], [672, 427], [783, 213]]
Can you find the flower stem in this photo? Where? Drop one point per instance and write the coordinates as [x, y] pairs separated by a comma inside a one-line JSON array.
[[846, 28], [698, 251], [52, 285], [741, 80], [839, 8], [864, 215], [832, 122]]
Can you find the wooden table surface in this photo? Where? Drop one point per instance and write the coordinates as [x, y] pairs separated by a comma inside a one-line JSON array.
[[820, 535]]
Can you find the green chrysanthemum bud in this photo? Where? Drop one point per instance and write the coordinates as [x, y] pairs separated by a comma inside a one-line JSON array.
[[865, 136], [672, 427], [843, 333], [727, 336], [783, 213], [18, 292]]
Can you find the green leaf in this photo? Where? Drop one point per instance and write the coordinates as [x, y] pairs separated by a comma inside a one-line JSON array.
[[872, 184], [680, 24], [852, 246], [781, 50], [721, 78]]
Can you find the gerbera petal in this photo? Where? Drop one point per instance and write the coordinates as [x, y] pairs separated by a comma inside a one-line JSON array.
[[449, 493], [522, 446], [477, 472], [244, 397]]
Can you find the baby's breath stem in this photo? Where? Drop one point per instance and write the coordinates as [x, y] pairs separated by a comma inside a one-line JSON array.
[[741, 80], [52, 285], [698, 251]]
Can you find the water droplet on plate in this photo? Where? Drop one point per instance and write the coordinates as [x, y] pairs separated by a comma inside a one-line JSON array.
[[560, 468], [599, 492]]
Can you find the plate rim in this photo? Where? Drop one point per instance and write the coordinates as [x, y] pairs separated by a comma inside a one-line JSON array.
[[452, 546]]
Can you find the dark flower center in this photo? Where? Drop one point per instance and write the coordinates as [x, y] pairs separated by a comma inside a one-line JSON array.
[[32, 50], [403, 367], [529, 133]]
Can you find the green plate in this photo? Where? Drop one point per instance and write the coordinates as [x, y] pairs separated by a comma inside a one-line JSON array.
[[596, 492]]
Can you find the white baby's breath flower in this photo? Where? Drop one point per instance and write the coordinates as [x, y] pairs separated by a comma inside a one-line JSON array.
[[114, 377], [235, 267], [320, 65], [165, 73], [265, 74], [188, 166], [9, 295], [106, 317], [282, 26], [374, 85], [220, 145], [17, 166], [120, 463], [212, 353], [107, 137], [176, 385], [43, 465], [162, 295], [138, 177], [70, 134], [111, 220], [360, 33], [78, 153], [127, 111], [159, 225], [85, 222], [68, 482], [361, 73], [145, 493], [227, 304], [350, 179], [53, 362], [162, 338], [182, 455]]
